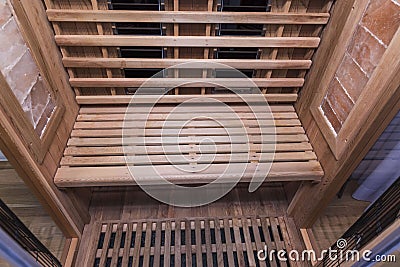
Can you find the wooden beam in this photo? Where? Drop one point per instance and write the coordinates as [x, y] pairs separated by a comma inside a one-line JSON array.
[[228, 98], [186, 82], [113, 16], [186, 41], [144, 63]]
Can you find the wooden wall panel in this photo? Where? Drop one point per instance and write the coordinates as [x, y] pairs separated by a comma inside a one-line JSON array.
[[365, 120], [68, 209]]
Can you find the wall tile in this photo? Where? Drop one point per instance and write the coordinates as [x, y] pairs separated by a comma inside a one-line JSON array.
[[23, 76], [330, 115], [339, 101], [39, 97], [351, 77], [27, 108], [5, 12], [12, 46], [41, 124], [366, 50], [382, 18]]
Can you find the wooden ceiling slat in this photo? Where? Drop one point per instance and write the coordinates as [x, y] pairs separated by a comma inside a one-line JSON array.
[[186, 41], [186, 17]]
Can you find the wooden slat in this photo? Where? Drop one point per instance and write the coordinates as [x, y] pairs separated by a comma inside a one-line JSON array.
[[147, 83], [197, 230], [144, 63], [178, 159], [104, 251], [248, 242], [147, 242], [171, 99], [229, 245], [117, 150], [177, 246], [183, 132], [120, 176], [145, 141], [113, 16], [167, 245], [117, 243], [177, 124], [127, 245], [167, 109], [208, 243], [238, 242], [257, 239], [183, 116], [137, 245], [186, 41], [157, 244]]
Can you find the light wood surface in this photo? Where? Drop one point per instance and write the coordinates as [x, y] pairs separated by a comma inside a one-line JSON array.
[[19, 198], [95, 152], [234, 213], [186, 17], [186, 41]]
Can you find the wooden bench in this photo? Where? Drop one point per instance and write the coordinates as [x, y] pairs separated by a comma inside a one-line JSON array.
[[94, 155]]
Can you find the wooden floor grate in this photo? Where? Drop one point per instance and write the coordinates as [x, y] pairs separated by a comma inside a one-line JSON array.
[[189, 242]]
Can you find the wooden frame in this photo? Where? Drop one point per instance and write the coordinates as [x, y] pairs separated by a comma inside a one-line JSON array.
[[38, 145], [376, 86], [375, 108], [66, 208]]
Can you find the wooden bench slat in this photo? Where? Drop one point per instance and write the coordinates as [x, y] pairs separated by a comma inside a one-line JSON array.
[[178, 159], [184, 116], [183, 132], [89, 109], [139, 141], [240, 148], [178, 124], [120, 176]]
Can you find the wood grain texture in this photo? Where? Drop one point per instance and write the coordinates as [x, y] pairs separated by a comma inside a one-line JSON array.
[[186, 17], [186, 41], [339, 155], [95, 156]]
